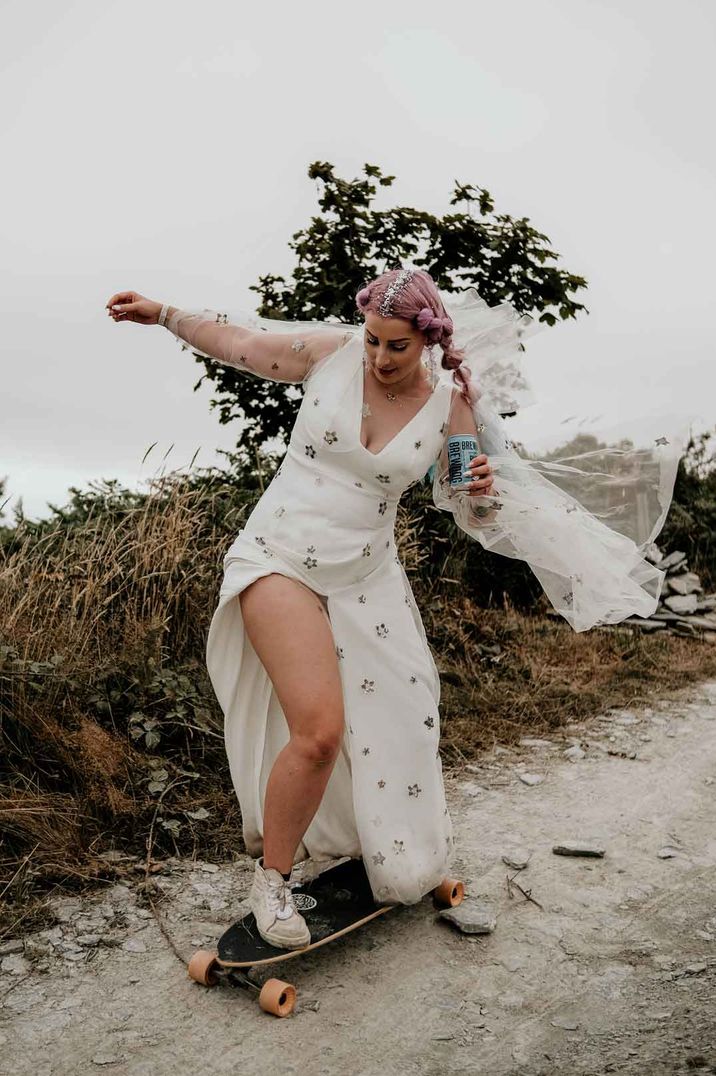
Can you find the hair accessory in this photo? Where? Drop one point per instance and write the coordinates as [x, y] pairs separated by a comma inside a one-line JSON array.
[[393, 290]]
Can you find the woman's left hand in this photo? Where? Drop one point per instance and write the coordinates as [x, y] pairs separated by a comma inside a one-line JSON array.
[[479, 477]]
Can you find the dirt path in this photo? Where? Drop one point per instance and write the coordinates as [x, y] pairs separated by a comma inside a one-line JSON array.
[[615, 972]]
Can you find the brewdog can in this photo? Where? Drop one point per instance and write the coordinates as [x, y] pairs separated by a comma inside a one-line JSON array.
[[461, 448]]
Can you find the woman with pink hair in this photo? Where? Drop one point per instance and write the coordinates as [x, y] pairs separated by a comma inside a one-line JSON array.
[[317, 651]]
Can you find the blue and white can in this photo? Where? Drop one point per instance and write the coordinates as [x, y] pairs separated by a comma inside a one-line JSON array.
[[461, 448]]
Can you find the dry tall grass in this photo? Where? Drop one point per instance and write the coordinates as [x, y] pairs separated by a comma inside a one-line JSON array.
[[108, 723]]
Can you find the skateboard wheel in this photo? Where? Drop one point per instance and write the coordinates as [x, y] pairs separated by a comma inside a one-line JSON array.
[[277, 997], [449, 893], [201, 968]]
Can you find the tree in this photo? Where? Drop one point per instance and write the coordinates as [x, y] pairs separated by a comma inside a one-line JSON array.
[[349, 242]]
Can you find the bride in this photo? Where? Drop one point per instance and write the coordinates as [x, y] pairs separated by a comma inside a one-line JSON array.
[[316, 650]]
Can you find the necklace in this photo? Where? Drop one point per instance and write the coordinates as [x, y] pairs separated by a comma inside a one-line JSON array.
[[392, 397]]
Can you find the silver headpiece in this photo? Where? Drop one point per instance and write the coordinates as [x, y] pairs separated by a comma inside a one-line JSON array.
[[394, 289]]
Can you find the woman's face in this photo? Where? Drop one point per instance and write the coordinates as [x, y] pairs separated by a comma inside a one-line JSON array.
[[394, 347]]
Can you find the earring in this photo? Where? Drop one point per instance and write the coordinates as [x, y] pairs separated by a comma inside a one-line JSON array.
[[431, 361]]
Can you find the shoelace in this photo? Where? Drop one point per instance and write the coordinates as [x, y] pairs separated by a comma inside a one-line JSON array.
[[280, 900]]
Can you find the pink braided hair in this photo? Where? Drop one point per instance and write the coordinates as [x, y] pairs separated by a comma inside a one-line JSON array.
[[417, 299]]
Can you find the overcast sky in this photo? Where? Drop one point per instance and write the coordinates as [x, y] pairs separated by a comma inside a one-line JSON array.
[[164, 147]]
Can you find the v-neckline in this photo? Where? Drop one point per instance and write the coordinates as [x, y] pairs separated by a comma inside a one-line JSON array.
[[361, 396]]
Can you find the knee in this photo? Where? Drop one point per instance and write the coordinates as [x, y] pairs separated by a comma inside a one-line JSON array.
[[321, 746]]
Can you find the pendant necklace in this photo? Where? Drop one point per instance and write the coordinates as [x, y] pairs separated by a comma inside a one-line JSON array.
[[392, 396]]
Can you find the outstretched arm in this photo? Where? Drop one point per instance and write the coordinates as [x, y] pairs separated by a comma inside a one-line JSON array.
[[276, 356]]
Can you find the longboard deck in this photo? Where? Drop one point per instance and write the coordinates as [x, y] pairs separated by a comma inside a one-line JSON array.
[[335, 902]]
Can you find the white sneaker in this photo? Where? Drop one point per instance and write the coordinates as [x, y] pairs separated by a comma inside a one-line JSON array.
[[277, 919]]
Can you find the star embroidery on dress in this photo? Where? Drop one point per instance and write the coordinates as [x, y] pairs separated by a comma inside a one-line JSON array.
[[310, 451], [366, 750], [260, 539], [330, 437], [339, 652], [571, 508], [274, 366], [406, 599], [359, 484], [378, 859], [418, 444], [480, 427], [243, 359], [315, 401], [310, 562], [298, 345], [267, 551], [661, 441], [381, 783], [413, 679], [567, 598], [368, 686], [383, 477], [398, 847], [222, 319], [414, 790], [279, 511], [366, 549], [382, 507], [429, 721], [361, 599], [381, 630]]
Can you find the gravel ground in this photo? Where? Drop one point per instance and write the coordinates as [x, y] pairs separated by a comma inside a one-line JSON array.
[[595, 964]]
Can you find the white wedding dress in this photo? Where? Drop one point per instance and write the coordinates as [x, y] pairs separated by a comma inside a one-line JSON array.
[[327, 519]]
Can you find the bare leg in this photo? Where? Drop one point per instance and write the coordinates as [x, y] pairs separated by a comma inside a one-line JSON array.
[[291, 634]]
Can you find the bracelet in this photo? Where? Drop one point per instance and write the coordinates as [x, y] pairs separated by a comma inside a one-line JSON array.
[[163, 314]]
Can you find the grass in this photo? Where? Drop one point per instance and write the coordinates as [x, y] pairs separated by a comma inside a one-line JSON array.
[[108, 724]]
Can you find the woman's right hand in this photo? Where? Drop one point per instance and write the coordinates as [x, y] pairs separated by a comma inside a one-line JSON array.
[[131, 306]]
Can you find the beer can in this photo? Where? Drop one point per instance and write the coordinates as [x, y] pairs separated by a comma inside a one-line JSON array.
[[461, 448]]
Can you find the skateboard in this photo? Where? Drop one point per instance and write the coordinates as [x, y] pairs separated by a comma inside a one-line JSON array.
[[334, 903]]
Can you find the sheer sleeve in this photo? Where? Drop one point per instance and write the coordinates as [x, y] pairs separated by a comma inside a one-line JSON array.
[[289, 354], [583, 525], [469, 510]]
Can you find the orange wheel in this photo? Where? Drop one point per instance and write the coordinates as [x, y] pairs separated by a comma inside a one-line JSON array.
[[201, 968], [449, 893], [277, 997]]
